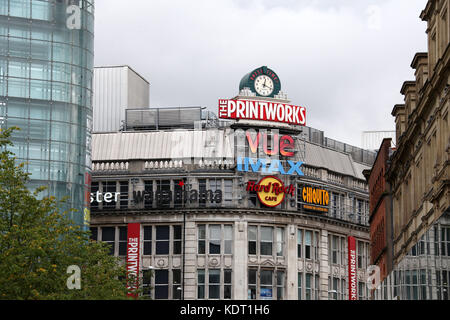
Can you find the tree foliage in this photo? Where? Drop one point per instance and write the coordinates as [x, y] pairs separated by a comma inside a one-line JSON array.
[[38, 243]]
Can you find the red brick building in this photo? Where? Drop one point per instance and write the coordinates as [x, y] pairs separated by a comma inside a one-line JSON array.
[[380, 200]]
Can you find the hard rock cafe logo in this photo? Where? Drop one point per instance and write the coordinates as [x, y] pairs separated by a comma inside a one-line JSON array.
[[270, 190]]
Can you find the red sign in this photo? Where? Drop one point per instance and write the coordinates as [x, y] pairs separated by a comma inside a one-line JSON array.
[[352, 281], [133, 241], [270, 190], [283, 146], [262, 110]]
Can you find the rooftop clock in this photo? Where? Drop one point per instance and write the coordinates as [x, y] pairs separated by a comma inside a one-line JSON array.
[[262, 81]]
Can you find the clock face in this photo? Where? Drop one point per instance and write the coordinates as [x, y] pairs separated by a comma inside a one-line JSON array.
[[264, 85]]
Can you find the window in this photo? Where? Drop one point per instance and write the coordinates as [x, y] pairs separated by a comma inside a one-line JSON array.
[[109, 236], [280, 242], [202, 191], [163, 194], [308, 286], [215, 184], [176, 284], [266, 284], [161, 284], [94, 190], [178, 197], [266, 241], [445, 241], [123, 194], [146, 283], [360, 290], [148, 190], [360, 254], [299, 243], [280, 285], [299, 285], [162, 239], [308, 244], [228, 199], [228, 239], [252, 284], [109, 186], [201, 239], [200, 284], [252, 239], [94, 233], [176, 239], [123, 241], [252, 196], [214, 239], [227, 284], [147, 240]]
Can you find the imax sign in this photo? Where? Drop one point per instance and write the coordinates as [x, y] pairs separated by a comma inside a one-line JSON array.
[[269, 166]]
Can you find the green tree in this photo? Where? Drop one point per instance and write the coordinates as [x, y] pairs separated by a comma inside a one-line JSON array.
[[38, 243]]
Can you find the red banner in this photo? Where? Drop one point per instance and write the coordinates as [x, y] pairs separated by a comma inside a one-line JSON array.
[[352, 280], [262, 110], [133, 243]]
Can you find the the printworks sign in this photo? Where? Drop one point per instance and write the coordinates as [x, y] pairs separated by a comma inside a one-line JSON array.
[[258, 143], [314, 198], [133, 257], [262, 110], [352, 273], [270, 190]]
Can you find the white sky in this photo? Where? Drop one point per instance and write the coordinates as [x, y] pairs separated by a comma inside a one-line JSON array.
[[344, 60]]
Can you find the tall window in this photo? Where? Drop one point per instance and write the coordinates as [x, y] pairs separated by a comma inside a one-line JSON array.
[[308, 244], [214, 283], [147, 240], [202, 190], [123, 241], [200, 284], [176, 239], [109, 186], [94, 189], [252, 239], [266, 242], [148, 188], [201, 238], [163, 193], [280, 285], [252, 283], [109, 236], [162, 240], [176, 284], [299, 243], [266, 278], [228, 238], [227, 284], [445, 241], [308, 286], [228, 195], [161, 284], [280, 242], [214, 239], [123, 185]]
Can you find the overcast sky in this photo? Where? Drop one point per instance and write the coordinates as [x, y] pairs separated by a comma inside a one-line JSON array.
[[344, 60]]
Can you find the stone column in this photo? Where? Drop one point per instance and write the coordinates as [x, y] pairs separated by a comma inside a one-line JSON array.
[[240, 261], [324, 268], [190, 267], [291, 259]]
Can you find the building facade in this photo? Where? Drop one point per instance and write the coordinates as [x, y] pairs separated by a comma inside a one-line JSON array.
[[234, 209], [380, 218], [46, 57], [419, 171]]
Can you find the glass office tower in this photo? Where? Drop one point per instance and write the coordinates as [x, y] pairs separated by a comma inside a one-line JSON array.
[[46, 67]]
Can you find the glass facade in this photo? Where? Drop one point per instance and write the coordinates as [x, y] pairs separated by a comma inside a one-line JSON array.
[[46, 68]]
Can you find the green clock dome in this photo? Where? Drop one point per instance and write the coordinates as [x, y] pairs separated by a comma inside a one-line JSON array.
[[248, 81]]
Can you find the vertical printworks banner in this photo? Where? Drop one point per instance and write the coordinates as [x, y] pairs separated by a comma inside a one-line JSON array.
[[133, 241], [352, 280]]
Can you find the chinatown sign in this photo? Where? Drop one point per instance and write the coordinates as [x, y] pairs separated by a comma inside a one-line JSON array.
[[314, 198], [270, 190], [262, 110], [258, 146]]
